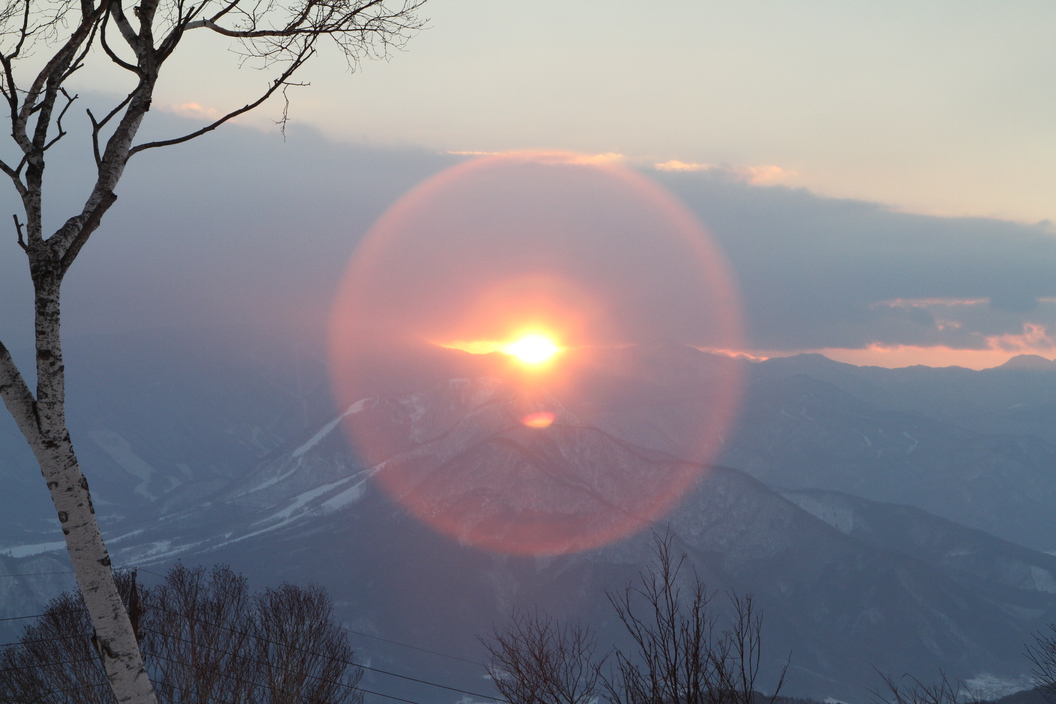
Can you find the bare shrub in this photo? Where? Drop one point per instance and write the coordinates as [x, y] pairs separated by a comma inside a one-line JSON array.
[[205, 640]]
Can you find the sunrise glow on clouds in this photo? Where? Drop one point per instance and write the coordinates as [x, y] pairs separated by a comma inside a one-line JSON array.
[[936, 356], [1035, 339], [757, 175], [193, 110]]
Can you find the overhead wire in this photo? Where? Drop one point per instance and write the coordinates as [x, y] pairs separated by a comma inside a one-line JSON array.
[[35, 574], [413, 647], [346, 662], [376, 638], [284, 645], [350, 630], [43, 640], [355, 688]]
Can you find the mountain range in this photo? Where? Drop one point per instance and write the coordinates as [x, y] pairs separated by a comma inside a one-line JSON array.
[[886, 520]]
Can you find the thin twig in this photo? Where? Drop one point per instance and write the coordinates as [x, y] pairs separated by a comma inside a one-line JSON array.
[[18, 229]]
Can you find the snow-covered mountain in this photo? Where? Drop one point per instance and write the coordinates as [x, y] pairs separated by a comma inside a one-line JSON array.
[[268, 481]]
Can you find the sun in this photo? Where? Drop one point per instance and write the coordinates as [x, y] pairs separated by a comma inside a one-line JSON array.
[[532, 349]]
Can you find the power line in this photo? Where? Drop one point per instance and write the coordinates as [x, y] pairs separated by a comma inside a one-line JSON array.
[[413, 647], [261, 638], [37, 665], [19, 618], [44, 640], [35, 574], [350, 630], [321, 655], [354, 688], [368, 635]]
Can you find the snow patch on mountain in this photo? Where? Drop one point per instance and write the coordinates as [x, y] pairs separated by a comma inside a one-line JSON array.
[[302, 503], [1043, 580], [828, 508], [121, 452], [988, 687], [328, 428]]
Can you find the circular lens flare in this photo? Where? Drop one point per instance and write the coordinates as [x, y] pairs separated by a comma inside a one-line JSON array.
[[528, 251], [533, 349]]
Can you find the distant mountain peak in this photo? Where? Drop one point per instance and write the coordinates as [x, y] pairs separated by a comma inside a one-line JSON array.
[[1030, 362]]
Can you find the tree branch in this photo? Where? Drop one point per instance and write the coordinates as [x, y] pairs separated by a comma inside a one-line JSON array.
[[98, 125], [110, 52], [118, 13], [279, 82], [23, 31], [18, 229], [58, 121], [90, 225], [53, 71], [18, 398]]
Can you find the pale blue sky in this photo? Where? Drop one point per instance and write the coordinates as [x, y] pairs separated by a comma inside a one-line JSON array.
[[933, 107]]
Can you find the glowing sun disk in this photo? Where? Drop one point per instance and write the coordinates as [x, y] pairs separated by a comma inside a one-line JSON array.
[[532, 349]]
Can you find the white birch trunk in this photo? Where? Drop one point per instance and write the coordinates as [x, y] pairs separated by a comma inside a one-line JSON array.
[[43, 422]]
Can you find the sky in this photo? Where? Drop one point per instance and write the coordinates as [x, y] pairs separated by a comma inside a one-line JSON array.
[[937, 107], [880, 177]]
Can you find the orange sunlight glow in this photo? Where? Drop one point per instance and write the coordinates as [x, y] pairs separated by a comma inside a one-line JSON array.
[[540, 419], [556, 261], [533, 349]]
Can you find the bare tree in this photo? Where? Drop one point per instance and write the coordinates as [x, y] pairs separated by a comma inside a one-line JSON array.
[[42, 45], [910, 690], [204, 639], [1042, 655], [681, 654], [194, 632], [741, 652], [301, 654], [535, 660]]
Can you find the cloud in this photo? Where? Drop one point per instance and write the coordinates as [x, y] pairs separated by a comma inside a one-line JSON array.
[[242, 227], [193, 110], [1035, 338], [675, 165], [824, 273], [759, 175]]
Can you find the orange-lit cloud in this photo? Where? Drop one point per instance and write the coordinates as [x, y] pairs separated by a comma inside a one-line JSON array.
[[761, 175], [1035, 339], [758, 175], [675, 165], [193, 110], [751, 356], [893, 356]]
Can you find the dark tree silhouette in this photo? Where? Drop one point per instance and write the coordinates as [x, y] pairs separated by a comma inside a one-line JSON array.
[[205, 640], [910, 690], [536, 660], [1042, 655], [681, 655]]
